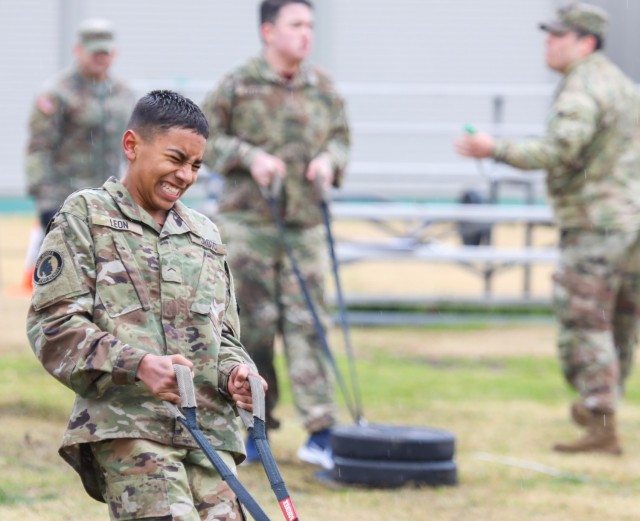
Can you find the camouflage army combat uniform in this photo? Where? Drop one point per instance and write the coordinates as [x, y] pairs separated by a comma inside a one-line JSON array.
[[592, 157], [296, 120], [75, 137], [110, 286]]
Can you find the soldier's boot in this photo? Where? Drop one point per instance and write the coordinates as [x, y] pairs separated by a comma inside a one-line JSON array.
[[601, 436], [580, 414]]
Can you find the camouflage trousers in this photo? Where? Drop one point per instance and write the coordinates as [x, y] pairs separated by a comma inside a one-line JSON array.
[[148, 480], [272, 302], [597, 301]]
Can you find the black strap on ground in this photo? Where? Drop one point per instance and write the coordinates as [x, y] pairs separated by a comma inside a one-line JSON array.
[[344, 322], [271, 197], [254, 422], [188, 419]]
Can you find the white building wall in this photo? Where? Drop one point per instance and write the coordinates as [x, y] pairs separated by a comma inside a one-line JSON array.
[[190, 44], [28, 55]]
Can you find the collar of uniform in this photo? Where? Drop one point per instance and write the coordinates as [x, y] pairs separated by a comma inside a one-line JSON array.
[[82, 81], [594, 57], [126, 203], [178, 220], [305, 75]]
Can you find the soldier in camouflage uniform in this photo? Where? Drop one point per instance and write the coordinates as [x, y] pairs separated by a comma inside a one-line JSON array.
[[591, 153], [279, 116], [130, 281], [76, 125]]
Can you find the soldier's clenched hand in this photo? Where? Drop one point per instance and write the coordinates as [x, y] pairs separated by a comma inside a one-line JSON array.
[[265, 168], [478, 145], [320, 168], [239, 387], [156, 372]]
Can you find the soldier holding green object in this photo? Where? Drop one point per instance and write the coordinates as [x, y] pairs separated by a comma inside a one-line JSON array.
[[591, 153]]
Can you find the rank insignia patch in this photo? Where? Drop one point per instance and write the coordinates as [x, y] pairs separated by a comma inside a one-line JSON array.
[[48, 267]]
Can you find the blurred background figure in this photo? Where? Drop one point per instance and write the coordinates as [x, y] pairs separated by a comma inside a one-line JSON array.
[[591, 153], [279, 117], [75, 130], [76, 124]]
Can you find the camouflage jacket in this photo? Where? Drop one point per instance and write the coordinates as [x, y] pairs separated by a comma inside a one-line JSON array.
[[76, 130], [591, 150], [254, 110], [111, 286]]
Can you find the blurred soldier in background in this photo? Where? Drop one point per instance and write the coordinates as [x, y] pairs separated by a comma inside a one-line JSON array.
[[277, 116], [76, 125], [591, 153]]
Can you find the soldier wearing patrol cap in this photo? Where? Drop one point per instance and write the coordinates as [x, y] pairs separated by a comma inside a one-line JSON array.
[[77, 122], [580, 18], [591, 153]]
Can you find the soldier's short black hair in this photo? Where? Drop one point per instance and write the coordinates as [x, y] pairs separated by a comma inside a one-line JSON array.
[[599, 39], [269, 9], [161, 110]]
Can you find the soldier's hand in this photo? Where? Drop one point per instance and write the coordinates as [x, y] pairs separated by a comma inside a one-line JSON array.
[[156, 372], [478, 145], [320, 168], [266, 167], [239, 387]]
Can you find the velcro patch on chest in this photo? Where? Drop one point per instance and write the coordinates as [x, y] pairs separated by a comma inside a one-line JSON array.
[[117, 224], [209, 244], [253, 91]]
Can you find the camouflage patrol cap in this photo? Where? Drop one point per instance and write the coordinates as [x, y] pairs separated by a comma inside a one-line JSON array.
[[96, 35], [578, 17]]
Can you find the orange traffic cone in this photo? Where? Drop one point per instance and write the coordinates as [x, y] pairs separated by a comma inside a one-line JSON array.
[[25, 288]]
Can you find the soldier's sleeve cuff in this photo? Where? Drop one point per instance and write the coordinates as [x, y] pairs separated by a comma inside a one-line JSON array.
[[248, 154], [223, 378], [126, 366], [500, 150]]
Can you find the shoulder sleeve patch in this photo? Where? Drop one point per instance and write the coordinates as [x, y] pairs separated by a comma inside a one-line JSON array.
[[46, 104], [55, 276], [48, 267]]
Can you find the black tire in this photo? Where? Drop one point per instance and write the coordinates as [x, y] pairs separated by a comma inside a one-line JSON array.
[[392, 443], [473, 233], [392, 474]]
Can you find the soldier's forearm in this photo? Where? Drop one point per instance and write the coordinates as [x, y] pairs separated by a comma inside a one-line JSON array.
[[227, 152]]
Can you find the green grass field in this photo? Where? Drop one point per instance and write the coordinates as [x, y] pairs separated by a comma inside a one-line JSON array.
[[505, 408], [498, 389]]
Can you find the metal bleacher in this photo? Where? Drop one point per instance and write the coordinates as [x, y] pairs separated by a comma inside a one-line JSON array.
[[407, 199]]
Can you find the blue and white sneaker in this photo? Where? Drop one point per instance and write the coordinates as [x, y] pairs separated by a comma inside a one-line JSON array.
[[252, 451], [317, 450]]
